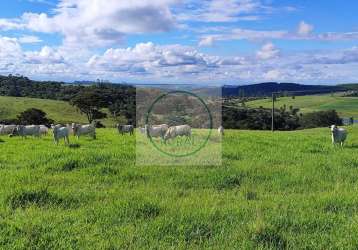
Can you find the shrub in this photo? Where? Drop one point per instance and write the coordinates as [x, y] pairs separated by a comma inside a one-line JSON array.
[[35, 117], [320, 119]]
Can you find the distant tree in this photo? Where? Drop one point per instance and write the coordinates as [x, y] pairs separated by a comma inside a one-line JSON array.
[[90, 101], [320, 119], [34, 116]]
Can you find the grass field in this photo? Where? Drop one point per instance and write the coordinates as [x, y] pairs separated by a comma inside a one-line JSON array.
[[345, 106], [61, 112], [273, 191]]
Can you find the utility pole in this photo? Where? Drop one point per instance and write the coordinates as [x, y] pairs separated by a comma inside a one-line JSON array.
[[273, 113]]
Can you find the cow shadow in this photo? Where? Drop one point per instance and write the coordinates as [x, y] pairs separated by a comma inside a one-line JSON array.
[[354, 146], [74, 145], [2, 141]]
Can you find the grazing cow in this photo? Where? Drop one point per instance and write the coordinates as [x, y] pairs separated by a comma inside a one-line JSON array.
[[339, 135], [142, 130], [69, 126], [221, 130], [122, 129], [156, 130], [24, 131], [60, 132], [7, 129], [181, 130], [43, 130], [88, 129]]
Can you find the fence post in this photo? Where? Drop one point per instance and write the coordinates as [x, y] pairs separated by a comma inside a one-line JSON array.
[[273, 113]]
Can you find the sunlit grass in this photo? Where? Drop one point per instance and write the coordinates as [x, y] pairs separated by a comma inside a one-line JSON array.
[[345, 106], [273, 190]]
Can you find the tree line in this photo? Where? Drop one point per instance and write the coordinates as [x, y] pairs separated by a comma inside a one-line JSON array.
[[285, 119], [120, 101], [90, 100]]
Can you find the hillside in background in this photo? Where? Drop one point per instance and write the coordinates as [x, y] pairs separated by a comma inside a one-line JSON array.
[[20, 86], [350, 86], [345, 106], [59, 111], [266, 89]]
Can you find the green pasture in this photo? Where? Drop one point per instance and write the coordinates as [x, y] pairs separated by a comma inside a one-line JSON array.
[[345, 106], [60, 111], [282, 190]]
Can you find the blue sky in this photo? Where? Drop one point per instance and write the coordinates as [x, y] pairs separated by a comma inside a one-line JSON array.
[[181, 41]]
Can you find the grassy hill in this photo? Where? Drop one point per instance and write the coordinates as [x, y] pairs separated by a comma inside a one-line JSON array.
[[345, 106], [60, 111], [274, 190]]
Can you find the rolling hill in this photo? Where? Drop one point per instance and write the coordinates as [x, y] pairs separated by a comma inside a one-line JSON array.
[[345, 106], [60, 111], [266, 89]]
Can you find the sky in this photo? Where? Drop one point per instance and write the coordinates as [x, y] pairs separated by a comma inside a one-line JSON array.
[[208, 42]]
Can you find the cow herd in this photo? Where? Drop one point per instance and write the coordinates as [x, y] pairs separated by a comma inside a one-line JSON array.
[[163, 131], [63, 132], [59, 131]]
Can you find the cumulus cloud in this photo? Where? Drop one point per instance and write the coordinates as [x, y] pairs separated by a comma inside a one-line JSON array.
[[304, 32], [267, 51], [148, 58], [10, 53], [344, 57], [272, 75], [10, 24], [304, 28], [46, 55], [9, 47], [92, 22], [176, 63]]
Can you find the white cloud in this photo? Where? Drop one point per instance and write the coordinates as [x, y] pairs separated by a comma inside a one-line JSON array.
[[273, 75], [343, 57], [93, 22], [176, 63], [223, 10], [8, 47], [29, 39], [207, 41], [267, 51], [46, 55], [147, 58], [10, 53], [10, 24], [304, 28]]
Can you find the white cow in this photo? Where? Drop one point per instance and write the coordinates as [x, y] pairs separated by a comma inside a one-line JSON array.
[[29, 130], [69, 126], [142, 130], [43, 130], [7, 129], [339, 135], [60, 132], [221, 130], [88, 129], [122, 129], [156, 130], [174, 131]]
